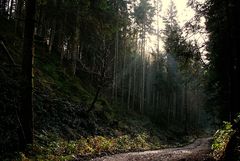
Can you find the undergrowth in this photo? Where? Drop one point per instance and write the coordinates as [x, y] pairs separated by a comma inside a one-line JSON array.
[[221, 139], [57, 149]]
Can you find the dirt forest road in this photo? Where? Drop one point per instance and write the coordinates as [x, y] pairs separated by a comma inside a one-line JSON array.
[[197, 151]]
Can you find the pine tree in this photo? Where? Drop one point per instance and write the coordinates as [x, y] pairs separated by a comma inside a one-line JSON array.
[[223, 28]]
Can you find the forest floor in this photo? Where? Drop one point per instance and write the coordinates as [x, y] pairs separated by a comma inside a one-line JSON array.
[[199, 150]]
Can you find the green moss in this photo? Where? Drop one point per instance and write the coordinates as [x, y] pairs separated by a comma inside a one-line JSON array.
[[221, 139], [61, 83]]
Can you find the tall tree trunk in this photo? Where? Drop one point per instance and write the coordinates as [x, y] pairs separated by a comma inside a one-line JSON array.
[[52, 35], [142, 99], [116, 66], [123, 75], [134, 83], [76, 45], [58, 26], [40, 21], [18, 16], [63, 39], [114, 89], [129, 88], [26, 110], [153, 101], [174, 112], [10, 9], [156, 107], [186, 108]]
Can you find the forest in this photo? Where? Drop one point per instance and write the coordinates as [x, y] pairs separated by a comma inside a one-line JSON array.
[[119, 80]]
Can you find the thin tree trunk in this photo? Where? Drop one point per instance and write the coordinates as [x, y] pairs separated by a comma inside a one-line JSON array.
[[94, 100], [123, 75], [114, 89], [153, 101], [185, 109], [116, 70], [18, 16], [157, 104], [134, 72], [134, 84], [142, 99], [129, 89], [168, 109], [76, 46], [11, 9], [51, 36], [10, 58], [40, 21]]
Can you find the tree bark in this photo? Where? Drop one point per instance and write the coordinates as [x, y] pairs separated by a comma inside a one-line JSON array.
[[18, 16], [26, 109], [76, 45]]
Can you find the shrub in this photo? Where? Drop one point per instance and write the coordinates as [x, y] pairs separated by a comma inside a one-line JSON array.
[[221, 139]]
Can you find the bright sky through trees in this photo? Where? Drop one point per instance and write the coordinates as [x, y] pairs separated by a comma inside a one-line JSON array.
[[184, 14]]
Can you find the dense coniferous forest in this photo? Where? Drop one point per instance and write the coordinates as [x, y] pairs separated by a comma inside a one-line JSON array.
[[82, 79]]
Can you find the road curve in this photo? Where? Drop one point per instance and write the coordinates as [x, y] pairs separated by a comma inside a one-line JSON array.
[[199, 150]]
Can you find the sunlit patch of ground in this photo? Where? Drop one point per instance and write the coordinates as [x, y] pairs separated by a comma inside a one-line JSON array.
[[199, 150]]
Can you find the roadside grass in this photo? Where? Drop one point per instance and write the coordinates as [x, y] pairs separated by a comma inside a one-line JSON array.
[[59, 149]]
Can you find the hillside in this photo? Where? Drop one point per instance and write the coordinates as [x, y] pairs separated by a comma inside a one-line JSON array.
[[63, 127]]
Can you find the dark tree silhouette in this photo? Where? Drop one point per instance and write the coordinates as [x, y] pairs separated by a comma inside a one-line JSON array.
[[26, 111], [224, 57]]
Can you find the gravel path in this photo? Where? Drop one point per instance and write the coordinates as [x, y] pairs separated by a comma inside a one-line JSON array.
[[197, 151]]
